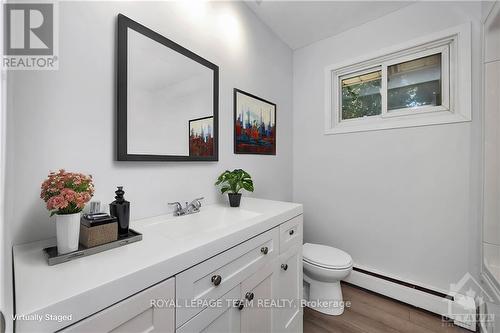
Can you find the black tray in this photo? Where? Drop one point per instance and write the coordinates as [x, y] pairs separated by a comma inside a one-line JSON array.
[[53, 258]]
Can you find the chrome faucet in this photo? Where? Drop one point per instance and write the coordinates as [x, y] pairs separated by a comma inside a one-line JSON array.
[[192, 207]]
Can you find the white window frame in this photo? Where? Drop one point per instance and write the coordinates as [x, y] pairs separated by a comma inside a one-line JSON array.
[[455, 47]]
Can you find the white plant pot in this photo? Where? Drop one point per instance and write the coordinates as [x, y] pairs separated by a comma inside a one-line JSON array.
[[68, 232]]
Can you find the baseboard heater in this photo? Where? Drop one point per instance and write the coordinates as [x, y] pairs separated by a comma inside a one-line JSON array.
[[461, 309], [406, 284]]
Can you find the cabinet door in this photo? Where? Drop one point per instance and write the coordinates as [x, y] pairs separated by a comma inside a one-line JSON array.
[[230, 267], [223, 317], [256, 291], [291, 233], [135, 314], [289, 291]]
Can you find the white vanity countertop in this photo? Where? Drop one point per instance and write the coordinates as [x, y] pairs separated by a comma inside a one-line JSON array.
[[169, 246]]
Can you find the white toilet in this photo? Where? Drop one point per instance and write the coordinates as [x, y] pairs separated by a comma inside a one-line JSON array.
[[324, 267]]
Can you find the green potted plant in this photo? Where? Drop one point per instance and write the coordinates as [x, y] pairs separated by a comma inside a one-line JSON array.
[[233, 182]]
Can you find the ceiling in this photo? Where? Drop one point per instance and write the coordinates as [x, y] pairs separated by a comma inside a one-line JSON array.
[[299, 23]]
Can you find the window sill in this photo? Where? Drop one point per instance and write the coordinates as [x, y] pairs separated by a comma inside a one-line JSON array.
[[383, 123]]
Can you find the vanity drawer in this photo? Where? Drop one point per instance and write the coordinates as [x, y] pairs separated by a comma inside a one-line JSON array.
[[223, 318], [214, 277], [134, 314], [291, 233]]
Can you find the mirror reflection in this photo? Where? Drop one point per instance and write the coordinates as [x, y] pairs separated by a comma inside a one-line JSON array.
[[170, 100]]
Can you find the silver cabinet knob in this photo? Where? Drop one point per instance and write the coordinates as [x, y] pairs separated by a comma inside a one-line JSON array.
[[216, 280], [264, 250], [284, 267], [249, 296]]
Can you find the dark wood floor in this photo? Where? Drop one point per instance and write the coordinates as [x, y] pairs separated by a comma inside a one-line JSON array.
[[371, 313]]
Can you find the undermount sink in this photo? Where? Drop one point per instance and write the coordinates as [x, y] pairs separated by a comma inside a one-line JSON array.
[[208, 220]]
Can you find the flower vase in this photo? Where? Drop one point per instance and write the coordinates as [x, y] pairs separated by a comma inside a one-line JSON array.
[[68, 232]]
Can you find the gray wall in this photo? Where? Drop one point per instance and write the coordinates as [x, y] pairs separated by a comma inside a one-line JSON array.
[[403, 202]]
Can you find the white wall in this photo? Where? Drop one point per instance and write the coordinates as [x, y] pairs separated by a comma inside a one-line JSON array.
[[400, 201], [66, 118], [5, 264], [491, 226]]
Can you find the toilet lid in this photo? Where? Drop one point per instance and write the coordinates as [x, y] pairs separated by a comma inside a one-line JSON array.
[[326, 256]]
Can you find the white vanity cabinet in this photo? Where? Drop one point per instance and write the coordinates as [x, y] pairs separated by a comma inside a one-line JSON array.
[[255, 287], [247, 260]]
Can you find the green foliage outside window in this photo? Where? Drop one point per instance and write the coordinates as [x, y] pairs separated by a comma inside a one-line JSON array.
[[361, 100]]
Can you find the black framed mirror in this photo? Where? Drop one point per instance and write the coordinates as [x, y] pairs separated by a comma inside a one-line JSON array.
[[168, 99]]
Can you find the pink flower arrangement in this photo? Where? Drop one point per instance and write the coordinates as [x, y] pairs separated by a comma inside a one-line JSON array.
[[66, 192]]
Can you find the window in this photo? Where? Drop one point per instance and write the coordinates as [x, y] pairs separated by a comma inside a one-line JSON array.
[[409, 86], [361, 95], [415, 83]]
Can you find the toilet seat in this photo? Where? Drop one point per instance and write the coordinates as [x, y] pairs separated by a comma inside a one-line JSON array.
[[327, 267], [326, 256]]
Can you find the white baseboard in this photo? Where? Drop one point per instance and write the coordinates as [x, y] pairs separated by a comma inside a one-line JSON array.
[[463, 305]]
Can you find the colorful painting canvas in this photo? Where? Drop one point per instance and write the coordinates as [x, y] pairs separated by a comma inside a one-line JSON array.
[[254, 124], [201, 140]]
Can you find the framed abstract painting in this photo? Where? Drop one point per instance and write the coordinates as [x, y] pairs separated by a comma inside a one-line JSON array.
[[201, 140], [254, 124]]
